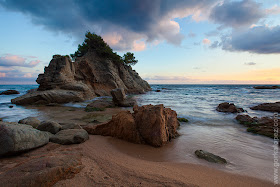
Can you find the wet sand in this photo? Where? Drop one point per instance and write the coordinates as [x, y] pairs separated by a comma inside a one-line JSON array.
[[112, 162]]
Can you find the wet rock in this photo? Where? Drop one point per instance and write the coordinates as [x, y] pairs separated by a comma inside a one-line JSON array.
[[210, 157], [271, 107], [263, 126], [153, 125], [158, 90], [70, 136], [103, 103], [9, 92], [41, 169], [49, 126], [183, 120], [266, 87], [11, 106], [228, 108], [16, 138], [65, 126], [34, 122]]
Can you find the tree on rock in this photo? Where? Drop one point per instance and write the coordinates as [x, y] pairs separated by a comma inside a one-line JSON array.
[[129, 59]]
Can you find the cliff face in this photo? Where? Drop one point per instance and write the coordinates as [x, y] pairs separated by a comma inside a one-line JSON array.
[[89, 76]]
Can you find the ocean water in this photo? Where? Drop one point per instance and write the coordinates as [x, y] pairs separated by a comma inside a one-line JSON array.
[[207, 129]]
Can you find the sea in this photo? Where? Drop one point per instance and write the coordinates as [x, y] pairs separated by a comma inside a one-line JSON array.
[[216, 132]]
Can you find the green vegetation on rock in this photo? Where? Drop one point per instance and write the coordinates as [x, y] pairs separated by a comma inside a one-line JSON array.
[[183, 120]]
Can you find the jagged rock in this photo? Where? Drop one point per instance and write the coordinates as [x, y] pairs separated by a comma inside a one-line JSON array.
[[41, 169], [153, 125], [70, 136], [228, 108], [89, 76], [9, 92], [65, 126], [49, 126], [266, 87], [118, 95], [16, 138], [263, 126], [271, 107], [210, 157], [34, 122]]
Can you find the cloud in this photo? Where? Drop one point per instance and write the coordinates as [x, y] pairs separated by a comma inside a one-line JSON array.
[[2, 74], [250, 63], [273, 10], [237, 13], [206, 41], [259, 39], [130, 21], [15, 60], [191, 34]]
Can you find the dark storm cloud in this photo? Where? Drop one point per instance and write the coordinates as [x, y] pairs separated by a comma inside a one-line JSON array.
[[237, 13], [135, 19], [262, 40]]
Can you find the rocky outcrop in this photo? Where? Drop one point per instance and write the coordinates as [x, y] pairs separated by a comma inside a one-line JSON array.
[[43, 167], [266, 87], [153, 125], [271, 107], [263, 126], [9, 92], [49, 126], [210, 157], [34, 122], [228, 108], [89, 76], [70, 136], [16, 138]]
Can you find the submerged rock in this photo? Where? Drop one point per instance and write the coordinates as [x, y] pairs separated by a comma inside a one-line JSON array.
[[266, 87], [263, 126], [9, 92], [34, 122], [70, 136], [153, 125], [16, 138], [210, 157], [271, 107], [228, 108], [49, 126], [89, 76]]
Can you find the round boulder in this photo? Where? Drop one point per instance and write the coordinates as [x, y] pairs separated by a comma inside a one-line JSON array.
[[49, 126], [70, 136], [34, 122]]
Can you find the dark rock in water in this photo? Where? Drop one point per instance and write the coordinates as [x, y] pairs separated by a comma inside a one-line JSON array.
[[89, 76], [228, 108], [271, 107], [183, 120], [9, 92], [49, 126], [153, 125], [266, 87], [34, 122], [158, 90], [44, 170], [65, 126], [11, 106], [1, 119], [16, 138], [210, 157], [263, 126], [70, 136]]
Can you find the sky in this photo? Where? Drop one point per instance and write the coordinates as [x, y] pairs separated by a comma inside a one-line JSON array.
[[174, 41]]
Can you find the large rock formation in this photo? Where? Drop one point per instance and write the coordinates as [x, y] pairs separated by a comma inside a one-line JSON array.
[[15, 138], [153, 125], [89, 76]]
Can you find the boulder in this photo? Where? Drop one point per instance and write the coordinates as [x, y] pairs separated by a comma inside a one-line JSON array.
[[118, 95], [34, 122], [271, 107], [9, 92], [263, 126], [228, 108], [99, 105], [49, 126], [16, 138], [153, 125], [210, 157], [266, 87], [65, 126], [41, 169], [89, 76], [70, 136]]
